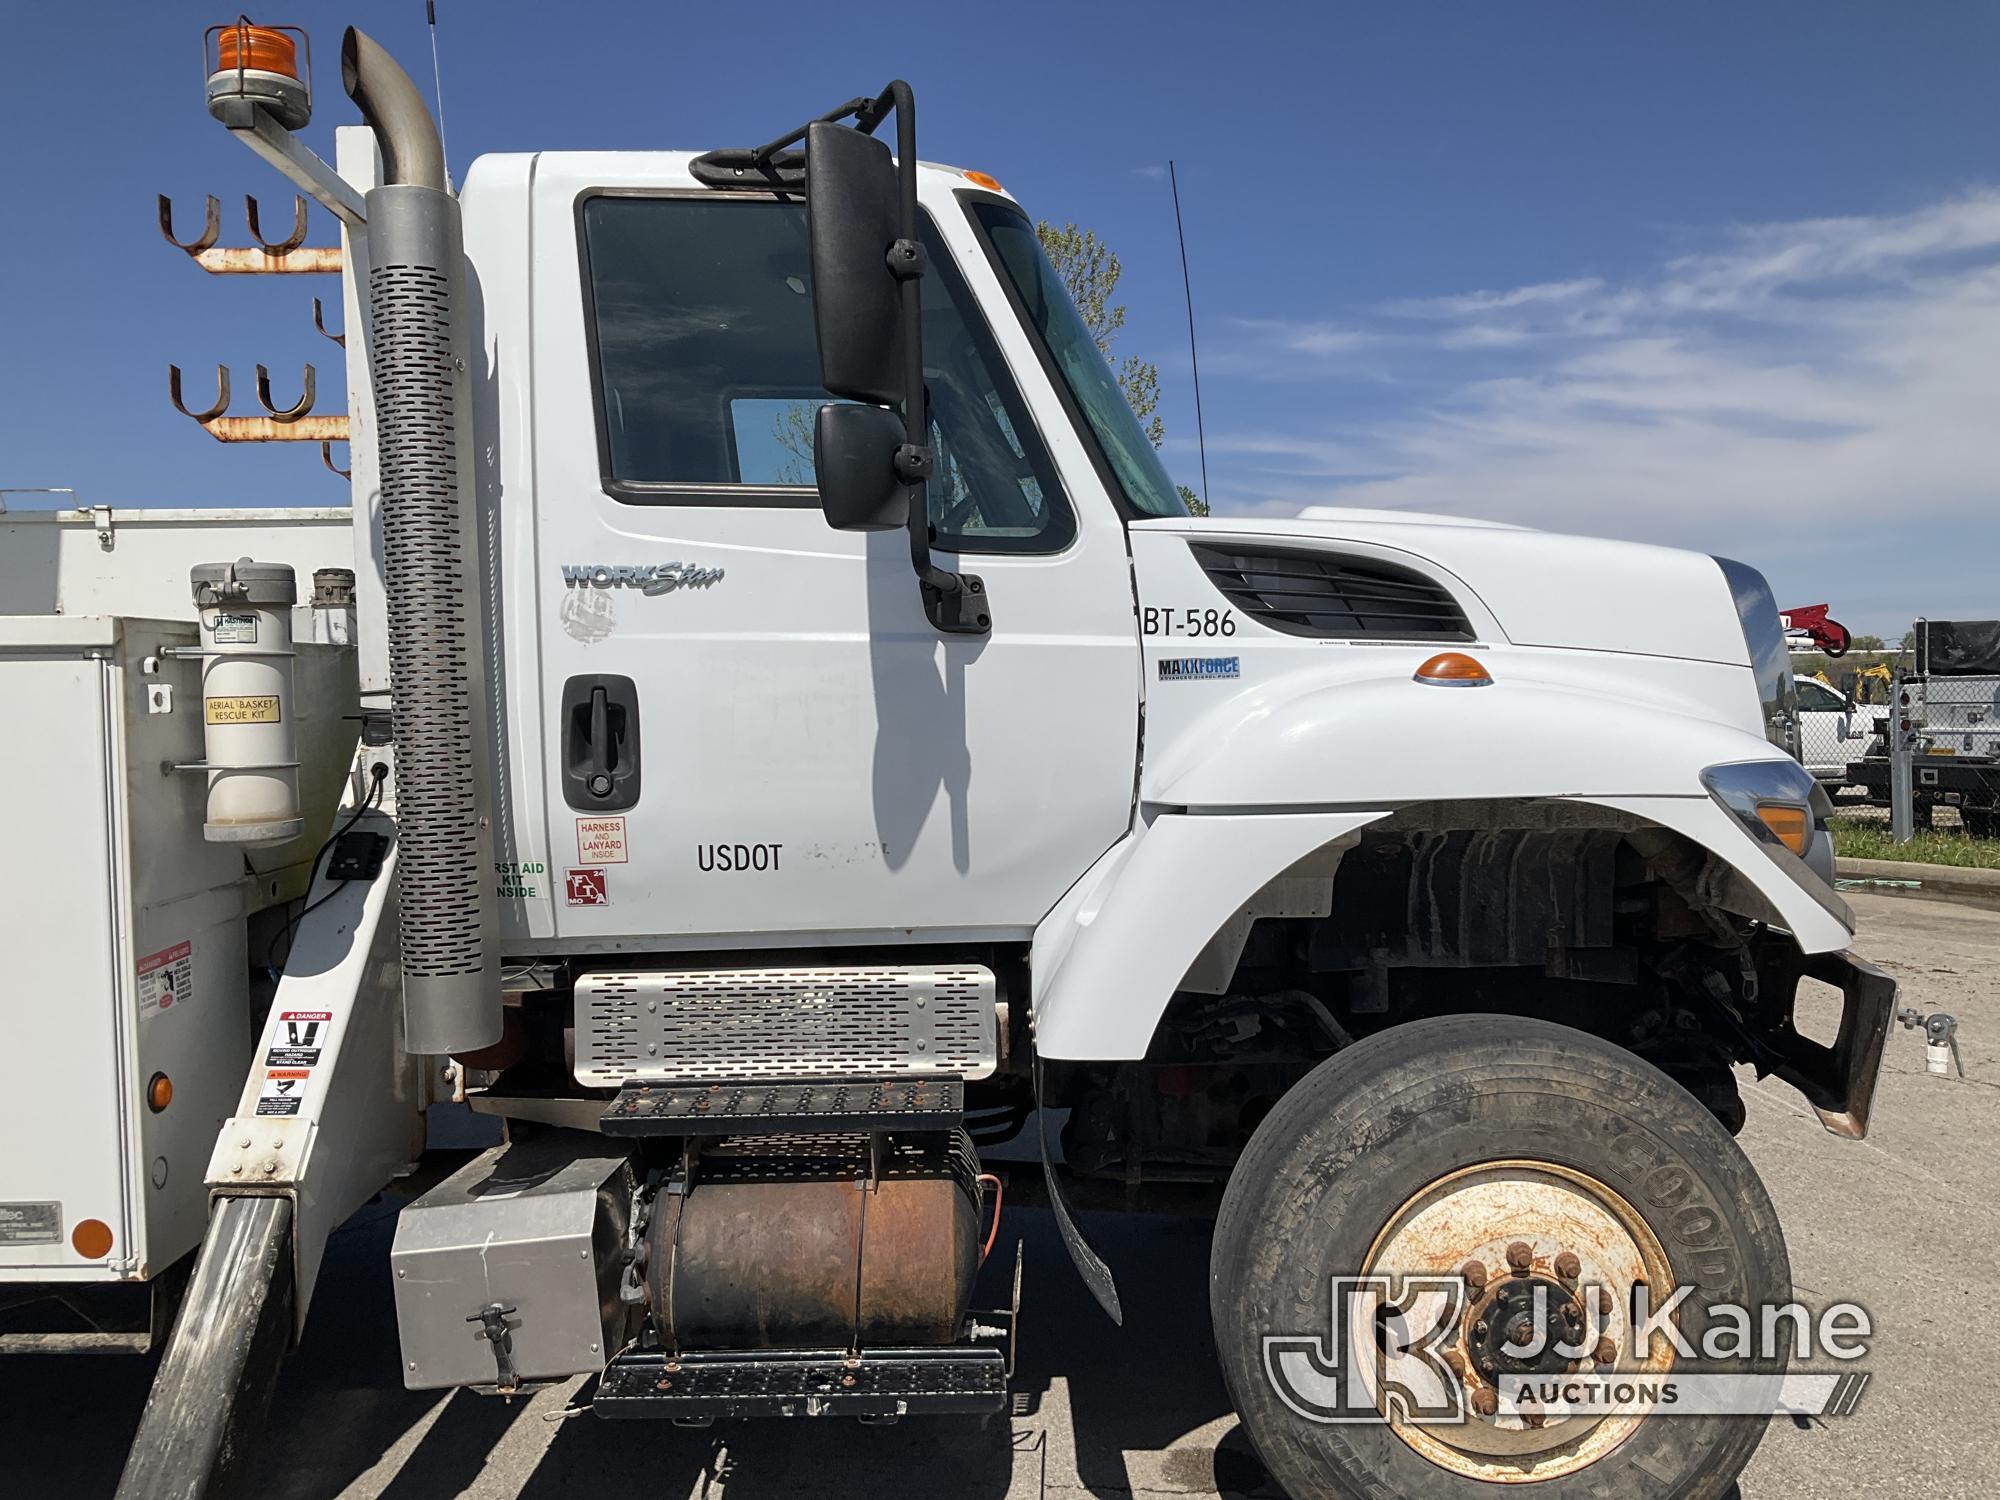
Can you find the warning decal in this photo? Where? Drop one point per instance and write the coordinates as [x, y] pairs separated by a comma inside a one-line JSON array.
[[166, 978], [601, 841], [300, 1037], [258, 708], [587, 888], [283, 1091]]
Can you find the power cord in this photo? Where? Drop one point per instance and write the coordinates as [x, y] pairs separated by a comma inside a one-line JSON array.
[[379, 774]]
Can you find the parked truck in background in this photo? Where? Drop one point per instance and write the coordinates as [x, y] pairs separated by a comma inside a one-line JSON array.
[[1947, 707], [801, 740]]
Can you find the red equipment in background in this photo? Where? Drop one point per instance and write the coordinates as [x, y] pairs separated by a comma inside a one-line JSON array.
[[1830, 636]]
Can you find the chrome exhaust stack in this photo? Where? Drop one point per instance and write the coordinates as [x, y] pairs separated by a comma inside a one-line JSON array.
[[419, 354]]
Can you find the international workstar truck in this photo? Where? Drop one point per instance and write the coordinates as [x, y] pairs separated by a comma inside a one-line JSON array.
[[799, 740]]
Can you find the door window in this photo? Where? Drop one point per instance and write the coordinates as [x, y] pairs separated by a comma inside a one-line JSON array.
[[1818, 696], [707, 373]]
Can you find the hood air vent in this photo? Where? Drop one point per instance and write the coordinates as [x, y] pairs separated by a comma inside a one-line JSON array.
[[1333, 595]]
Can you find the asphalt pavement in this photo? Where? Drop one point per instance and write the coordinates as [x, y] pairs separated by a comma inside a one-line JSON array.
[[1906, 1223]]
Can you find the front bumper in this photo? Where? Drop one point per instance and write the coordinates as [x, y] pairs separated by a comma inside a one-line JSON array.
[[1839, 1081]]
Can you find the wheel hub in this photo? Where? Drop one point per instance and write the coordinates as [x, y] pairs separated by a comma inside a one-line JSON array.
[[1549, 1257], [1523, 1312]]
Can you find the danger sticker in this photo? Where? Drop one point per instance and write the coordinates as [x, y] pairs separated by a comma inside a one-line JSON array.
[[166, 978], [299, 1039], [284, 1090], [586, 888], [258, 708], [232, 629], [601, 841]]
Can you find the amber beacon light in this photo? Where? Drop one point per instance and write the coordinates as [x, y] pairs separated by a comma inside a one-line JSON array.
[[259, 65], [1454, 669]]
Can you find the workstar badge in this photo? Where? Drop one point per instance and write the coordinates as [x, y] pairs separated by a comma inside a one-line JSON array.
[[647, 578]]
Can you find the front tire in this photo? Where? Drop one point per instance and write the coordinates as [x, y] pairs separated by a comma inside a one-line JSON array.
[[1501, 1132]]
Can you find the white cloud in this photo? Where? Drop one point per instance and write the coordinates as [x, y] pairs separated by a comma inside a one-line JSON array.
[[1793, 384]]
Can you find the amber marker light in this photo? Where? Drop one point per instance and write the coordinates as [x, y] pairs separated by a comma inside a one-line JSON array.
[[1454, 669], [159, 1092], [91, 1239], [982, 179], [1791, 824]]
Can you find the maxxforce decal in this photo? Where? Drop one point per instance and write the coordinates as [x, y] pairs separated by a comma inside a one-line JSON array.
[[1199, 668]]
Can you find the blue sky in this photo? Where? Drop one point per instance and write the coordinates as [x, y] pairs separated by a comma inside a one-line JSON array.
[[1719, 275]]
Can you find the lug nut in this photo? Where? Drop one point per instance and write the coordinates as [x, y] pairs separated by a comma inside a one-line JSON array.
[[1605, 1301], [1520, 1255], [1455, 1362], [1534, 1418], [1474, 1272], [1568, 1267], [1605, 1352], [1485, 1403]]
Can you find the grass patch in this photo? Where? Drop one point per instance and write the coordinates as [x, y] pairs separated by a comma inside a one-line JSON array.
[[1866, 838]]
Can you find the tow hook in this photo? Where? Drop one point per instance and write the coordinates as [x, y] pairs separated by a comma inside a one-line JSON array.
[[1940, 1031]]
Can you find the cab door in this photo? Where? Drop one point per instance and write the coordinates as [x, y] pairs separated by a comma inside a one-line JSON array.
[[751, 730]]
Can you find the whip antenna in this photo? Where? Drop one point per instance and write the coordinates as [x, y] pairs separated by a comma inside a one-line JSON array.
[[437, 84], [1187, 290]]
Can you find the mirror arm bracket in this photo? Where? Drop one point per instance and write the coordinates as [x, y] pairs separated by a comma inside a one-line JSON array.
[[959, 609]]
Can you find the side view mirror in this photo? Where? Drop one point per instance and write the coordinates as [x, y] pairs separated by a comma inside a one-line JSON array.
[[852, 214], [873, 461], [854, 459]]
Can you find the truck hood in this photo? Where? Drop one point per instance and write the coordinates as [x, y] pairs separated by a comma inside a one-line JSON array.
[[1543, 588]]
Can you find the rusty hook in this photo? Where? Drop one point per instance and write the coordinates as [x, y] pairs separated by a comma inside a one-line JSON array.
[[292, 241], [209, 233], [338, 338], [221, 400], [305, 403], [326, 457]]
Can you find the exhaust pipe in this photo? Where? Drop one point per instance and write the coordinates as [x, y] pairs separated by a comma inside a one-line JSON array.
[[419, 356]]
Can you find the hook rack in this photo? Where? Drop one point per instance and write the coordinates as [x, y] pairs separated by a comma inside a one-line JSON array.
[[326, 457], [291, 414], [338, 338], [291, 241], [292, 425], [290, 255]]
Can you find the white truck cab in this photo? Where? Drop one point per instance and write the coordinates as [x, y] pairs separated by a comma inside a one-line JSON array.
[[813, 743]]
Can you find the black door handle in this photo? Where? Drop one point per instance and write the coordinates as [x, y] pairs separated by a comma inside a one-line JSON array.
[[600, 743]]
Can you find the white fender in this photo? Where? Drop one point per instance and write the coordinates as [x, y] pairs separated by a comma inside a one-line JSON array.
[[1109, 956], [1259, 791]]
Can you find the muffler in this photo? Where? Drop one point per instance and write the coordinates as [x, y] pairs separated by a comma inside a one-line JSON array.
[[419, 354]]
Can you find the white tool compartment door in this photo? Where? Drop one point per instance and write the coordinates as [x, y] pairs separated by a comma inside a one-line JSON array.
[[62, 1093], [814, 757]]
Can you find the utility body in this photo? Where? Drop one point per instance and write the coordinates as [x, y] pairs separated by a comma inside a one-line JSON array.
[[809, 741]]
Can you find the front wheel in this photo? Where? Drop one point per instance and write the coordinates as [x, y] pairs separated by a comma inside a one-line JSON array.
[[1546, 1175]]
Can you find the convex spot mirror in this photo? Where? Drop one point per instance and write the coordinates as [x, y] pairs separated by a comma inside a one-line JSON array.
[[854, 463], [851, 211]]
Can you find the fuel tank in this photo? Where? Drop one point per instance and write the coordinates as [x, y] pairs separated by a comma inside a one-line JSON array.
[[804, 1243]]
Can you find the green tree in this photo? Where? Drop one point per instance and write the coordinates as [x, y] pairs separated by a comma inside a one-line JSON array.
[[1867, 643], [1090, 270], [1195, 504]]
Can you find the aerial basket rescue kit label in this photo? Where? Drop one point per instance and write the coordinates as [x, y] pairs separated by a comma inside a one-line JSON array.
[[258, 708]]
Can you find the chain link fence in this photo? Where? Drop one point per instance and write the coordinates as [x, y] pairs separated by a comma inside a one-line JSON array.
[[1915, 733]]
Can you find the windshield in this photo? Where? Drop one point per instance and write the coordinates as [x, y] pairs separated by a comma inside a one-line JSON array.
[[1078, 360]]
